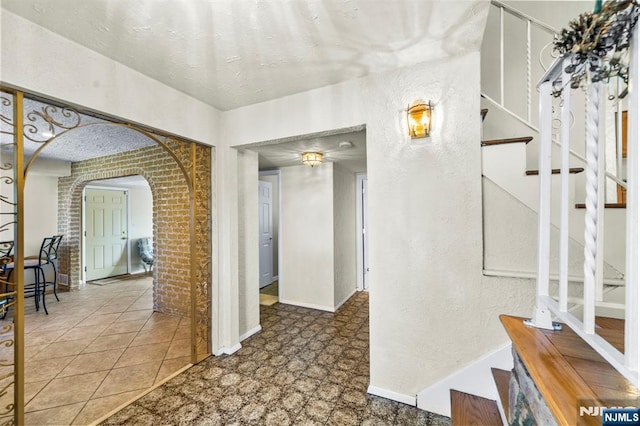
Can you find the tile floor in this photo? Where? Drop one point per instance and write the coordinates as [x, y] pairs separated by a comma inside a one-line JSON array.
[[306, 367], [99, 347]]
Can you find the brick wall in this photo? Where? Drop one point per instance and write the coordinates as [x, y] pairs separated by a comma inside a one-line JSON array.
[[171, 272]]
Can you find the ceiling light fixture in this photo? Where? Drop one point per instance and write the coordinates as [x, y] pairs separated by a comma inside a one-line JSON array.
[[419, 119], [312, 158], [345, 145]]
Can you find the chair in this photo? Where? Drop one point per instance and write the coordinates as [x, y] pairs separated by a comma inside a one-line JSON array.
[[6, 247], [47, 256], [51, 259], [145, 250]]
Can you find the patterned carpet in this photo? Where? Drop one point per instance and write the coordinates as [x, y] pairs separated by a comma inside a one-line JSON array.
[[306, 367]]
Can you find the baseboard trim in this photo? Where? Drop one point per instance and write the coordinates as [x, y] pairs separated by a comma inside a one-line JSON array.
[[475, 378], [343, 301], [228, 351], [394, 396], [251, 332], [307, 305]]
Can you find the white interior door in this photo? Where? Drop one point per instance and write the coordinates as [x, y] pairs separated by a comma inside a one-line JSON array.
[[105, 233], [265, 191]]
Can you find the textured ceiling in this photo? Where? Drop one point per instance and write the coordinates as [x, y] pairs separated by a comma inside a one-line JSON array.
[[289, 153], [230, 53], [93, 137]]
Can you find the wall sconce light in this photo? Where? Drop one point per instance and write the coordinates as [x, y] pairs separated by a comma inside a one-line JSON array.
[[312, 158], [419, 119]]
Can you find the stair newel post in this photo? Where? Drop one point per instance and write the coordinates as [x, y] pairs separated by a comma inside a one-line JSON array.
[[565, 139], [542, 315], [632, 313], [591, 202]]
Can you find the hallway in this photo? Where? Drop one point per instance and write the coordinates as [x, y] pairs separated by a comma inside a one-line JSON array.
[[307, 367]]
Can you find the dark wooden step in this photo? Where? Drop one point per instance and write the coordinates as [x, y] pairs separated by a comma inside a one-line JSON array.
[[525, 139], [483, 113], [467, 410], [606, 206], [502, 378], [573, 170]]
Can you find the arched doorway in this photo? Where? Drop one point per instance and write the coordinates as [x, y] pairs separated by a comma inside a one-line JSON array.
[[179, 172]]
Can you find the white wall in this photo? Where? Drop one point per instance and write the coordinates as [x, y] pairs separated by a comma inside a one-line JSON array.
[[40, 211], [344, 231], [248, 244], [306, 274], [429, 312], [45, 63], [140, 223], [275, 217]]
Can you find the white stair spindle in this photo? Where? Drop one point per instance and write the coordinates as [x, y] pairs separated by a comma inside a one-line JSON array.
[[563, 267], [591, 214]]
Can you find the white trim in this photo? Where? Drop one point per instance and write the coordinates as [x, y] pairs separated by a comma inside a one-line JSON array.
[[532, 275], [342, 302], [394, 396], [359, 238], [307, 305], [475, 378], [140, 395], [251, 332], [228, 351]]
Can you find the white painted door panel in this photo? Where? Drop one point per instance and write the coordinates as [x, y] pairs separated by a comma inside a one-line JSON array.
[[106, 233], [265, 213]]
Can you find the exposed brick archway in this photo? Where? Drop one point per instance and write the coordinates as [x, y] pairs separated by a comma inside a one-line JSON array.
[[171, 275]]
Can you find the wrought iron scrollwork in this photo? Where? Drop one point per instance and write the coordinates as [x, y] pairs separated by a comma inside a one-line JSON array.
[[54, 120]]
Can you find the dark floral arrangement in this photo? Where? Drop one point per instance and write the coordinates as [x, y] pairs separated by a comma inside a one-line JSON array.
[[598, 41]]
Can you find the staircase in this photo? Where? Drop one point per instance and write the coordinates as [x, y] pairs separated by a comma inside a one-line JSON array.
[[557, 379]]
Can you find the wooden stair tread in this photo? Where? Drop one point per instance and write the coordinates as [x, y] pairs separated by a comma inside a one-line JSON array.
[[610, 323], [606, 206], [573, 170], [483, 113], [502, 378], [525, 139], [467, 410], [560, 385]]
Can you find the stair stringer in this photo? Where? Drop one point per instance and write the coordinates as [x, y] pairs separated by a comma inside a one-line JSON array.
[[505, 165], [475, 378]]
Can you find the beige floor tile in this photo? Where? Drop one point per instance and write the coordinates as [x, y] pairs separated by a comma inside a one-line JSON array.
[[79, 333], [41, 337], [103, 343], [124, 327], [88, 363], [62, 349], [170, 366], [97, 319], [31, 389], [99, 407], [128, 379], [67, 390], [31, 351], [141, 354], [57, 416], [179, 348], [48, 369], [111, 308], [135, 315], [148, 337]]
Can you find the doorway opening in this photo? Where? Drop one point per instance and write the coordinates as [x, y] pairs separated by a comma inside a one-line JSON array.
[[269, 232], [117, 215]]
